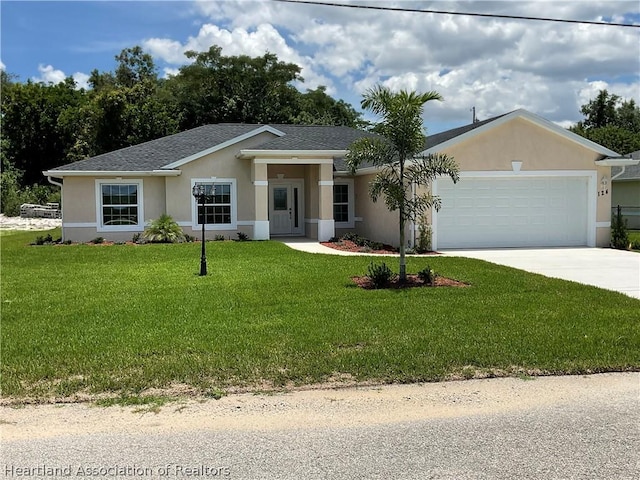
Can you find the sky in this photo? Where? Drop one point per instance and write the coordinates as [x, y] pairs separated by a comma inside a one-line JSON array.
[[494, 65]]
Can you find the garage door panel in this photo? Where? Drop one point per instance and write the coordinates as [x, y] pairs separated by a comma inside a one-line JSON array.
[[512, 212]]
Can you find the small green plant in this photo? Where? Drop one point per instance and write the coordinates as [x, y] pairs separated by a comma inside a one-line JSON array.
[[46, 240], [619, 234], [423, 242], [379, 275], [635, 245], [427, 275], [67, 242], [189, 238], [243, 237], [97, 240], [218, 238], [137, 238], [163, 229]]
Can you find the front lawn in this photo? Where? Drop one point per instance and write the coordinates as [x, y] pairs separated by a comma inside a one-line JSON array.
[[124, 318]]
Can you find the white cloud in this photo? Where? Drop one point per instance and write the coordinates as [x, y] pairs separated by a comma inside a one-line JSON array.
[[82, 80], [48, 74], [264, 38], [496, 65], [2, 66]]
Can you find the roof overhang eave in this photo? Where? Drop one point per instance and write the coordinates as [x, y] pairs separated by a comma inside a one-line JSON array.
[[111, 173], [617, 162], [251, 153]]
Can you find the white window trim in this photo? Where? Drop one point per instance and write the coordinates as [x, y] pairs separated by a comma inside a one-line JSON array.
[[100, 227], [350, 183], [234, 205]]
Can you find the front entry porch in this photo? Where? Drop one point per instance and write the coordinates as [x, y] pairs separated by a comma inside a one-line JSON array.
[[293, 197]]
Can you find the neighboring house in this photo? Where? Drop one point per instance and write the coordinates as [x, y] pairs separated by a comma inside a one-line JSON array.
[[625, 191], [524, 182]]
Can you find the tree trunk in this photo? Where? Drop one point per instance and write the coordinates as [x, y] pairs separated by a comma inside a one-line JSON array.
[[403, 261]]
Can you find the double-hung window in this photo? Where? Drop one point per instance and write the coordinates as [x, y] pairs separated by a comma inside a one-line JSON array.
[[219, 209], [343, 209], [119, 205]]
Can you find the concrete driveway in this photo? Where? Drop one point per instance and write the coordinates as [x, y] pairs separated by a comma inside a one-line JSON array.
[[611, 269]]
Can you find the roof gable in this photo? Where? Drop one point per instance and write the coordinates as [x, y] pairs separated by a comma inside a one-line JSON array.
[[437, 143]]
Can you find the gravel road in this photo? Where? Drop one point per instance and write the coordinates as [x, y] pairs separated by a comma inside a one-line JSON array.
[[572, 427]]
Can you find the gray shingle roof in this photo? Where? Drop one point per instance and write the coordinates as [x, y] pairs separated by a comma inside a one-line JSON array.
[[155, 154], [632, 172]]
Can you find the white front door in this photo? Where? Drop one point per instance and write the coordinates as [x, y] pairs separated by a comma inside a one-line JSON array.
[[285, 208]]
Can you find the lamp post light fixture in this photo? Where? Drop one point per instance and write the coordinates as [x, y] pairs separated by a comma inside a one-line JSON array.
[[199, 192]]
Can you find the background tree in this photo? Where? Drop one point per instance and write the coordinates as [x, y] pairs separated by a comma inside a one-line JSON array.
[[611, 122], [316, 107], [397, 154], [47, 125]]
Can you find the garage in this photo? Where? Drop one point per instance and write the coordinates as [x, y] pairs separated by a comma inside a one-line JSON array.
[[512, 211]]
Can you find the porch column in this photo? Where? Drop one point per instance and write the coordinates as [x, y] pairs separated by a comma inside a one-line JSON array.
[[326, 225], [261, 195]]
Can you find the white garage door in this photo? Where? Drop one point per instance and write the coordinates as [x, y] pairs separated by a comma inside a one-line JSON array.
[[512, 212]]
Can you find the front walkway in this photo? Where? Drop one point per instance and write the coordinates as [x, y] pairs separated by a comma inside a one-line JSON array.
[[309, 245]]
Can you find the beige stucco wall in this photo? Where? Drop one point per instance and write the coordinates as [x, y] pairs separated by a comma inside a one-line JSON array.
[[521, 140], [378, 223], [79, 200], [80, 222]]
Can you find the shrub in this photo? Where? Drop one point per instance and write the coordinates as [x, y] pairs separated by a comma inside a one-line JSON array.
[[137, 238], [218, 238], [46, 240], [243, 237], [189, 238], [423, 242], [635, 245], [97, 240], [427, 275], [164, 229], [379, 275], [619, 234]]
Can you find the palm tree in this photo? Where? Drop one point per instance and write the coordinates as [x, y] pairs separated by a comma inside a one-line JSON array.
[[396, 151]]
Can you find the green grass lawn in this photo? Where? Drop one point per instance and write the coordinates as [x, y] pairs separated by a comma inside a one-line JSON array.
[[122, 319]]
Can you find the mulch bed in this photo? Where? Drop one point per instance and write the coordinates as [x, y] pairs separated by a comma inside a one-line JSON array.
[[349, 246], [412, 282]]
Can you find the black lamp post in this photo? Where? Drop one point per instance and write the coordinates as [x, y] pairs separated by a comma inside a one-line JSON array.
[[199, 192]]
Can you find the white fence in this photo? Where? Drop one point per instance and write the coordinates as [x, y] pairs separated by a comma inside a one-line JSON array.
[[50, 210]]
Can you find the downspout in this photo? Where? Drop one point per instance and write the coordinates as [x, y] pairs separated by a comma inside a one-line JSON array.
[[618, 174], [58, 184]]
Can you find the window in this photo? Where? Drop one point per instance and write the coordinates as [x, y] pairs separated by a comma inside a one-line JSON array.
[[219, 211], [119, 205], [341, 203], [343, 210]]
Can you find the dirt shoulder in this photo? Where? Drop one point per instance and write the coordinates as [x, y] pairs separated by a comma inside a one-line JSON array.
[[316, 408]]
